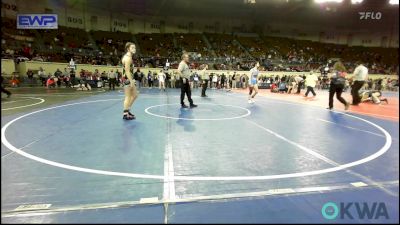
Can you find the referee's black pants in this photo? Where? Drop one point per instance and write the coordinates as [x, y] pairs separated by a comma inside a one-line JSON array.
[[357, 85], [185, 89]]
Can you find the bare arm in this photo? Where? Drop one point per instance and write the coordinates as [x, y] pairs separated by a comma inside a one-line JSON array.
[[249, 74]]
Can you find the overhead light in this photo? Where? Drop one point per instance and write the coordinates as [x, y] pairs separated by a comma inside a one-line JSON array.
[[394, 2], [328, 1], [356, 1]]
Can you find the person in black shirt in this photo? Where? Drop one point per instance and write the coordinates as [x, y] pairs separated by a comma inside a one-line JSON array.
[[137, 77], [29, 73], [150, 79], [337, 84], [72, 77]]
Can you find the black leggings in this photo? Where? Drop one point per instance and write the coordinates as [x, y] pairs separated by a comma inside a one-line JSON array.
[[338, 89], [310, 89], [357, 85], [203, 90]]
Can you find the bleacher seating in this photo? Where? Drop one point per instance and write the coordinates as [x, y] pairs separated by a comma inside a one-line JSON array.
[[62, 44]]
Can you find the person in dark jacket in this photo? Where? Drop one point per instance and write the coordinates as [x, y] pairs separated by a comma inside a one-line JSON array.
[[3, 90], [336, 86]]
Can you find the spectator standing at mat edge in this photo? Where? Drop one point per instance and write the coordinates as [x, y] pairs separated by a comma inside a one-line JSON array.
[[311, 82], [336, 86], [112, 79], [161, 80], [204, 79]]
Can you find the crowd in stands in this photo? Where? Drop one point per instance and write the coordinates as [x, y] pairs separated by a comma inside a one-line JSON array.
[[154, 50], [225, 46], [193, 43]]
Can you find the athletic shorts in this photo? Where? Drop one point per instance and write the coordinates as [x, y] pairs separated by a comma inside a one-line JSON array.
[[253, 82]]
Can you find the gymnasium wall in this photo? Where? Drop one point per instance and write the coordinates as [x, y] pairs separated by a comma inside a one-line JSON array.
[[7, 66]]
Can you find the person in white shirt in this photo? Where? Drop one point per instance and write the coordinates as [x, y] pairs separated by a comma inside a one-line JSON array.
[[253, 82], [204, 79], [215, 80], [173, 80], [112, 79], [360, 75], [195, 80], [161, 80], [297, 80], [311, 82], [72, 64], [42, 76]]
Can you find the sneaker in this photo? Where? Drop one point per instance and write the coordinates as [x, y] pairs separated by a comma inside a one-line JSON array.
[[193, 106], [346, 107], [184, 106], [329, 108], [249, 101], [9, 95], [252, 101]]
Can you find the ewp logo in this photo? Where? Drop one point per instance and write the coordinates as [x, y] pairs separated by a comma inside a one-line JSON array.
[[37, 21], [331, 211]]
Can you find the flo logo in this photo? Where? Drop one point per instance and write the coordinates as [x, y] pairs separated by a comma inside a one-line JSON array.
[[370, 15], [376, 210]]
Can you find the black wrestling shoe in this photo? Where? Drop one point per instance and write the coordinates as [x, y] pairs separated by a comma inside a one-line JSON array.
[[193, 106], [184, 106], [128, 117], [134, 117]]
